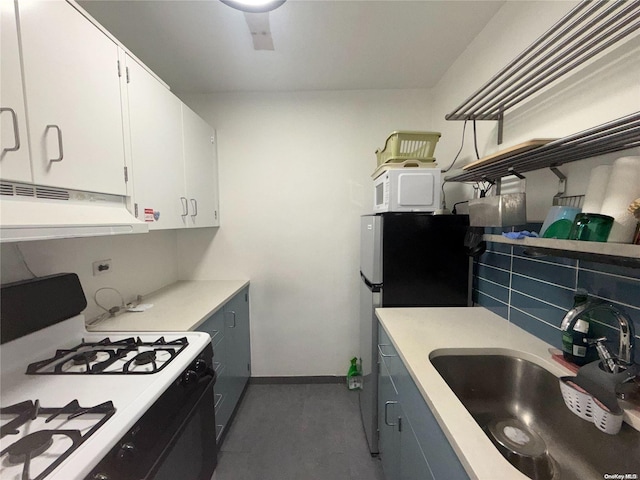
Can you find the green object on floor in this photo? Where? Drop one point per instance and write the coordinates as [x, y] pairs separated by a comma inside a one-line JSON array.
[[354, 376]]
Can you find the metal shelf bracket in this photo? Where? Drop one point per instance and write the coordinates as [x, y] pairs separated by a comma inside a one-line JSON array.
[[500, 124], [562, 182]]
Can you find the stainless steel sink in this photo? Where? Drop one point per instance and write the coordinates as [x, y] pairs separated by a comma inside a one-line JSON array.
[[513, 395]]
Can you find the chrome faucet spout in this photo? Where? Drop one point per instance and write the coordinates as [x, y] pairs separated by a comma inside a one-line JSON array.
[[627, 330]]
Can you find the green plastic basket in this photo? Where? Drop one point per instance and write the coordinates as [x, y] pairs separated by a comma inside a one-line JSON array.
[[404, 145]]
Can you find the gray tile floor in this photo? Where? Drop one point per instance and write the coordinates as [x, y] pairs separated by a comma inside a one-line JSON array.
[[297, 432]]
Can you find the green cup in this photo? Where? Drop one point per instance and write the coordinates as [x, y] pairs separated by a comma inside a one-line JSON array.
[[591, 227]]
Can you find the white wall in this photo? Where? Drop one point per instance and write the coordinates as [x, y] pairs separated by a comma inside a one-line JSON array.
[[606, 89], [140, 264], [295, 176], [294, 170]]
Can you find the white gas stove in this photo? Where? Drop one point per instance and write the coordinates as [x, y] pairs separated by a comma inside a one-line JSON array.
[[72, 401]]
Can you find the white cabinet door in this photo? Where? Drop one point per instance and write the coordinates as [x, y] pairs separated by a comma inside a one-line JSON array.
[[15, 163], [155, 123], [201, 170], [73, 94]]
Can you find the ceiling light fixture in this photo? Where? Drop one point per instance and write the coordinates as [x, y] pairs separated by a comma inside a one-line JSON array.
[[254, 6]]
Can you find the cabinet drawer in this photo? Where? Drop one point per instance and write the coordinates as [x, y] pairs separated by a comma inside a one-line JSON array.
[[443, 461], [388, 355], [214, 326]]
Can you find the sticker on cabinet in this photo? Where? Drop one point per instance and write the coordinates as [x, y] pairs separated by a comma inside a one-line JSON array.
[[149, 215]]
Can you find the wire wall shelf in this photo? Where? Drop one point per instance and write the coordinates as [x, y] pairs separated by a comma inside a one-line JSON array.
[[613, 136], [589, 29]]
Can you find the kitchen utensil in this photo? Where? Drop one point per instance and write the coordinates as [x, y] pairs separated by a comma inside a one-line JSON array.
[[508, 152], [634, 208], [591, 227], [559, 213], [559, 229]]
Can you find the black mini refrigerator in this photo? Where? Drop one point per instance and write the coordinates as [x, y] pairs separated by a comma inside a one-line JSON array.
[[406, 260]]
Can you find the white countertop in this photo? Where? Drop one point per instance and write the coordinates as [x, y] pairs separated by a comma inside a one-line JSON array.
[[418, 333], [181, 306]]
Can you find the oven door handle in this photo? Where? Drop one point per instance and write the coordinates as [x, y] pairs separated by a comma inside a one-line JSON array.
[[208, 390]]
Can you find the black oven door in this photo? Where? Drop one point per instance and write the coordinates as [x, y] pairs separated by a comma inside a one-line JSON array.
[[191, 453], [174, 439]]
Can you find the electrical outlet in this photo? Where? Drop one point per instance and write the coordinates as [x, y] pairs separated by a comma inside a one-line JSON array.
[[101, 267]]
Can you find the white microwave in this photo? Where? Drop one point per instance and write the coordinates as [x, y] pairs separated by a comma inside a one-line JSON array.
[[407, 190]]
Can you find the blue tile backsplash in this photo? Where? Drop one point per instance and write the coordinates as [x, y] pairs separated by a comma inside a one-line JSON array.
[[535, 292]]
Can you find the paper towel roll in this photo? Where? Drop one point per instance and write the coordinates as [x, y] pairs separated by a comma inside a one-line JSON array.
[[596, 190], [623, 187]]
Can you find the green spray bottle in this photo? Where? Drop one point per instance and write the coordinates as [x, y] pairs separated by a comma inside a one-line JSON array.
[[354, 375]]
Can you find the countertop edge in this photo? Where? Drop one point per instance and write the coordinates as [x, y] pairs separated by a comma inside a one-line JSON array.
[[476, 453], [180, 306]]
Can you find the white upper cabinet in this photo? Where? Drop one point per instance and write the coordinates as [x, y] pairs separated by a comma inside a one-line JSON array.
[[79, 112], [155, 125], [200, 169], [15, 163], [73, 99]]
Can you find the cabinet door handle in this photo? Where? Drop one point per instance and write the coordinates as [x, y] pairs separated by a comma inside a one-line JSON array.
[[185, 206], [234, 319], [194, 204], [60, 146], [16, 132], [386, 417]]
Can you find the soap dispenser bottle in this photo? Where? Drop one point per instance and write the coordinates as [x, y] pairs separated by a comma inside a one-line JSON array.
[[575, 333]]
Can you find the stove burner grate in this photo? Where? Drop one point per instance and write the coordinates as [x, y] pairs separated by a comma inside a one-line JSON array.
[[30, 446], [86, 354]]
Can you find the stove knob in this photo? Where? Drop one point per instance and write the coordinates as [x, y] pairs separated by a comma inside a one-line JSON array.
[[100, 476], [200, 366], [126, 451], [189, 377]]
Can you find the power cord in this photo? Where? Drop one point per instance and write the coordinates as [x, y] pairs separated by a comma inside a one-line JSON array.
[[454, 210], [464, 127], [455, 159], [475, 139], [113, 310], [24, 262]]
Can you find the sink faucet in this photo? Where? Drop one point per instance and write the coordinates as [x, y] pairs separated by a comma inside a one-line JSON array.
[[627, 331]]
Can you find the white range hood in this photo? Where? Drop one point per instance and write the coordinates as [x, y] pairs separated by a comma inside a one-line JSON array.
[[31, 212]]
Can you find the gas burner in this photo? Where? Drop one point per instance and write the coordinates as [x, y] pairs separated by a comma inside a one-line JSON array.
[[37, 450], [126, 356], [30, 446], [149, 361], [84, 358], [145, 357]]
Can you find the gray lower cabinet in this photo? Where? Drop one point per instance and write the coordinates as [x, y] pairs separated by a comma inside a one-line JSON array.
[[412, 444], [229, 331], [390, 422]]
